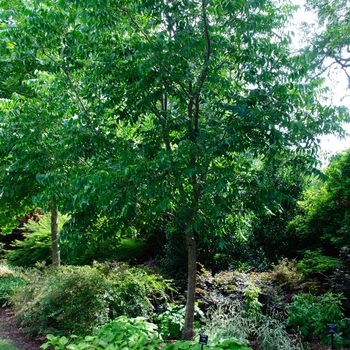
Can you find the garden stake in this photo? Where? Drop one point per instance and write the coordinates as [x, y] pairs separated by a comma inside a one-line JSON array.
[[332, 329], [203, 340]]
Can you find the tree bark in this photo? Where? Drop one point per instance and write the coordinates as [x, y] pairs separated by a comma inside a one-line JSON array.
[[188, 332], [56, 259]]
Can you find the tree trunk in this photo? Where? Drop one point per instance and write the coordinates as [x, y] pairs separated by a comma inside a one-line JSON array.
[[54, 235], [187, 332]]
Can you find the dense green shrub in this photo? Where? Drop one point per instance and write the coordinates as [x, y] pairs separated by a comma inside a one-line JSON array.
[[133, 291], [323, 220], [78, 299], [62, 301], [317, 265], [309, 313]]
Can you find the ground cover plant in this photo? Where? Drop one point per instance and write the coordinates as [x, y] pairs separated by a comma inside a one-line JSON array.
[[133, 333]]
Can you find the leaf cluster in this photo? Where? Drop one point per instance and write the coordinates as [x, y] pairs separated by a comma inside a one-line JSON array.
[[36, 244], [309, 313], [78, 299]]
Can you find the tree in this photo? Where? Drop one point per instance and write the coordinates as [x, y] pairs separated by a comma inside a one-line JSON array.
[[329, 43], [33, 163], [286, 179], [324, 219], [173, 103], [203, 90]]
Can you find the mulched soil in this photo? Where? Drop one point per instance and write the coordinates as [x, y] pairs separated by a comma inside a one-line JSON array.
[[10, 331]]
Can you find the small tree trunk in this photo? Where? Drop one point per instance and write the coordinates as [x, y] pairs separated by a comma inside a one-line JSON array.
[[54, 235], [187, 332]]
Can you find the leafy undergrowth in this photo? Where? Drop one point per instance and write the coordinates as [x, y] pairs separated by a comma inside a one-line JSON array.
[[112, 306]]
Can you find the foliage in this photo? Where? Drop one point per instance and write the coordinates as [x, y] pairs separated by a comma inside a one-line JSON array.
[[316, 264], [66, 301], [113, 248], [309, 313], [132, 333], [289, 177], [254, 292], [11, 281], [227, 322], [171, 320], [324, 219], [174, 255], [78, 299], [249, 305], [287, 275], [121, 333], [233, 343], [339, 281], [36, 246], [133, 291], [329, 41]]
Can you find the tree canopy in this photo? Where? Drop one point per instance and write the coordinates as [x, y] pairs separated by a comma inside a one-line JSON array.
[[329, 42]]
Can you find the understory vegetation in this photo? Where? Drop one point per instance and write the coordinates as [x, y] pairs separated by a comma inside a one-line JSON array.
[[117, 306]]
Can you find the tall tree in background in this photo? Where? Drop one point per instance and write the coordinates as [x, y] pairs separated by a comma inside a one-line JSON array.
[[324, 220], [162, 109]]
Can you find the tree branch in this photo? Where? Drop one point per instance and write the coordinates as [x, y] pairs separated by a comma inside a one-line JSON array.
[[69, 80], [75, 91], [24, 94]]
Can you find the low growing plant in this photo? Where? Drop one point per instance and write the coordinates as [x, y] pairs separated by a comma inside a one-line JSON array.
[[309, 313], [214, 344], [120, 334], [133, 334], [62, 301], [7, 345], [171, 321], [237, 322], [12, 279]]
